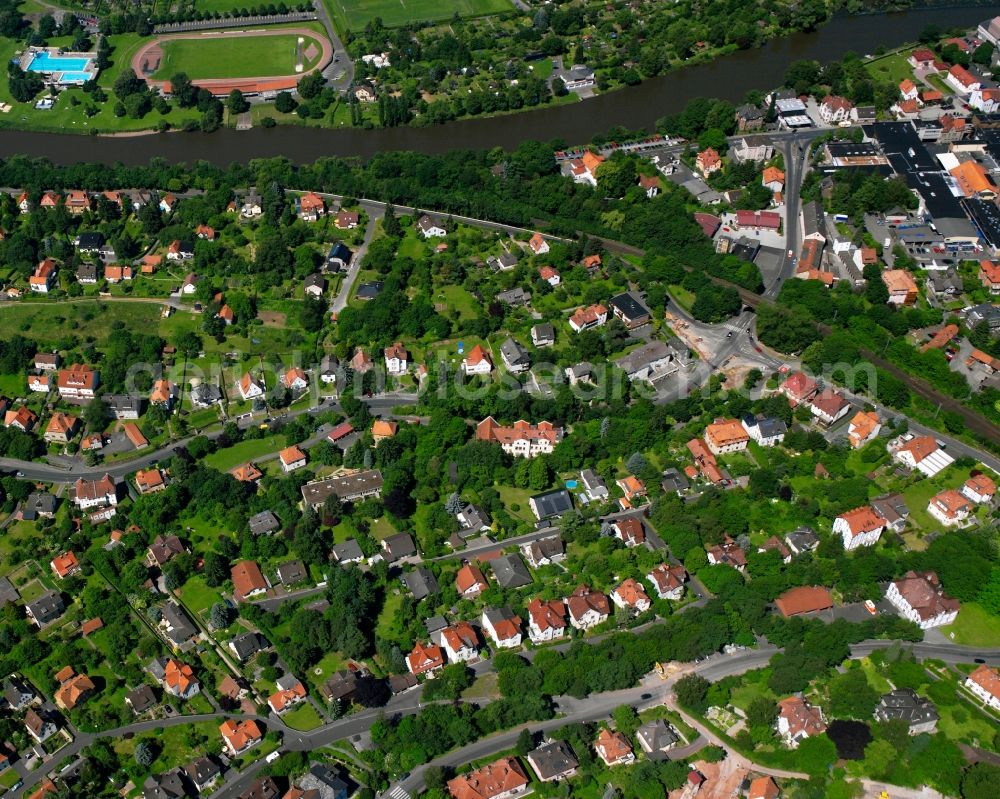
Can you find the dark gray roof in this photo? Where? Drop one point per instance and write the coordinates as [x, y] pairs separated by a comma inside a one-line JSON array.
[[17, 691], [515, 296], [474, 517], [294, 571], [657, 735], [646, 355], [510, 571], [592, 480], [674, 480], [552, 759], [513, 353], [90, 240], [553, 503], [314, 279], [263, 522], [421, 582], [434, 624], [122, 402], [141, 698], [340, 685], [180, 627], [903, 703], [399, 546], [247, 645], [206, 393], [369, 291], [348, 550], [86, 271], [813, 218], [39, 502], [46, 607], [8, 593], [802, 540], [202, 770], [629, 306], [547, 548], [544, 331], [164, 786], [768, 426], [326, 782]]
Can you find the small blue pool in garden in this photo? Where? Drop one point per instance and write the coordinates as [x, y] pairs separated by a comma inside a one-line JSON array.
[[571, 484]]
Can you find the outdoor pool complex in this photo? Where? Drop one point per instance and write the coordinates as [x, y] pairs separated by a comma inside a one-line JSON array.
[[64, 69]]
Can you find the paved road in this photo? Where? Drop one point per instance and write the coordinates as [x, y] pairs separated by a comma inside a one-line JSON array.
[[340, 301], [379, 405], [949, 653], [650, 693]]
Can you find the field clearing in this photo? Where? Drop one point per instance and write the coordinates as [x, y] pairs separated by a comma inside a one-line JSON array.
[[249, 450], [50, 323], [974, 627], [355, 14], [234, 57]]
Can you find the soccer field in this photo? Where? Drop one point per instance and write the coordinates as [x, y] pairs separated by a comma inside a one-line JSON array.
[[234, 57], [355, 14]]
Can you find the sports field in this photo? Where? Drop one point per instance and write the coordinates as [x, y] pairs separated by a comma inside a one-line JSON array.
[[235, 57], [355, 14]]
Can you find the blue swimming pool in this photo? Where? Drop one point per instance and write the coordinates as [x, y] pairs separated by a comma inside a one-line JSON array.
[[48, 62], [75, 77]]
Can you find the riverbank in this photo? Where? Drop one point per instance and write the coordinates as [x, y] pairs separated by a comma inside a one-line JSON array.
[[637, 107]]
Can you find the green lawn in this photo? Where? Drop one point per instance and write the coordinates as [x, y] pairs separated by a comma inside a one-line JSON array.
[[511, 496], [386, 626], [355, 14], [460, 300], [891, 68], [198, 596], [974, 627], [233, 57], [226, 459], [382, 528], [330, 663], [304, 717], [48, 323]]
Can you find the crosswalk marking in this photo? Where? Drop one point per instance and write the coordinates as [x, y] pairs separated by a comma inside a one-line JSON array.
[[399, 793]]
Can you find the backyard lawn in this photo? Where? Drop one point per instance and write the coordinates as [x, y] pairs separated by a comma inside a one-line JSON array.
[[974, 627], [226, 459], [891, 68], [198, 596], [304, 717]]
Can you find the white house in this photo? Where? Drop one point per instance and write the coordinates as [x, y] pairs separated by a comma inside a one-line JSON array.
[[950, 507], [249, 388], [861, 527], [503, 627], [396, 358], [985, 100], [668, 581], [429, 227], [460, 642], [980, 489], [546, 620], [834, 110], [984, 682], [630, 595], [921, 453], [920, 598], [477, 362], [766, 431], [961, 80], [587, 608]]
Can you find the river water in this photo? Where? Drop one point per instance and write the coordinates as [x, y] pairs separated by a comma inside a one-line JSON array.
[[729, 77]]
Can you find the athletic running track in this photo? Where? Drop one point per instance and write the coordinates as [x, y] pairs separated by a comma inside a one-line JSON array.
[[153, 52]]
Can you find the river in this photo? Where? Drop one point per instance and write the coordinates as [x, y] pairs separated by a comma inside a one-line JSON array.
[[728, 77]]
